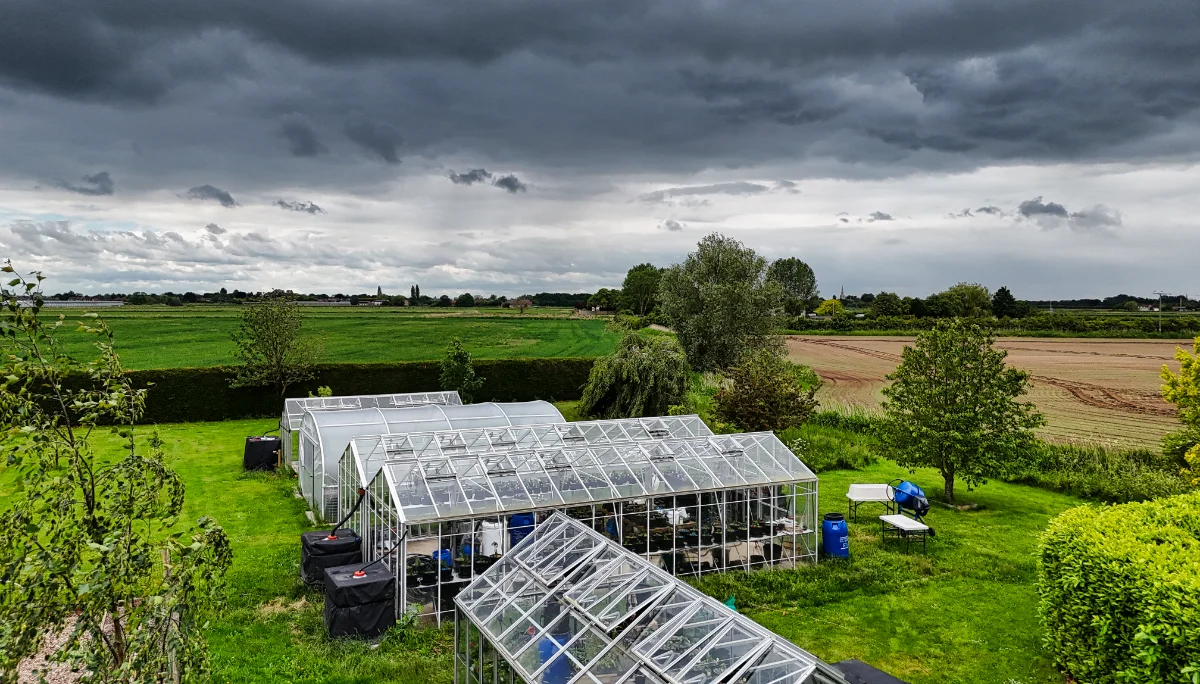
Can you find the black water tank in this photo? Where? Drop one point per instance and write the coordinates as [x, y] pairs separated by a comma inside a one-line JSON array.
[[320, 550], [262, 453], [359, 601]]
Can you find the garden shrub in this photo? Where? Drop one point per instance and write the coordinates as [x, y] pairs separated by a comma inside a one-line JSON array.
[[1111, 475], [1120, 591], [767, 392], [644, 376]]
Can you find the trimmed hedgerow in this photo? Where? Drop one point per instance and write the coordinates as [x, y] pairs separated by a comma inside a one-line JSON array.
[[1120, 591], [179, 395]]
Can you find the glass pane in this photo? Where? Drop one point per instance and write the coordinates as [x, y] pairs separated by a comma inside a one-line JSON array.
[[717, 655]]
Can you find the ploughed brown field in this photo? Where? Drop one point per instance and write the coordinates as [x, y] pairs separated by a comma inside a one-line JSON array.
[[1092, 390]]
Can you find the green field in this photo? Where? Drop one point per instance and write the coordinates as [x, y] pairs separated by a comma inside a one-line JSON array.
[[180, 337], [965, 612]]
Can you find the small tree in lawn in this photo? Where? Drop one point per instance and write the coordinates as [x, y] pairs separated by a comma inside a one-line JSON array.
[[767, 392], [271, 347], [645, 376], [953, 405], [1183, 390], [90, 548], [522, 304], [458, 372]]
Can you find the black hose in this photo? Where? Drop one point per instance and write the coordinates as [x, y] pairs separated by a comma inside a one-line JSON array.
[[387, 553], [362, 493]]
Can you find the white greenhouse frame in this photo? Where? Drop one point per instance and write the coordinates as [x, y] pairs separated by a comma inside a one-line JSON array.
[[366, 455], [294, 408], [568, 606], [324, 436], [691, 505]]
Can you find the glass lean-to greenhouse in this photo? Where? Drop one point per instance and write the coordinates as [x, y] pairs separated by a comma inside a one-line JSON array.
[[293, 410], [569, 606], [689, 505], [324, 436]]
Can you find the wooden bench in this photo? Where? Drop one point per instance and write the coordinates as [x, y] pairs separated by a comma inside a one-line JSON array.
[[904, 527], [859, 494]]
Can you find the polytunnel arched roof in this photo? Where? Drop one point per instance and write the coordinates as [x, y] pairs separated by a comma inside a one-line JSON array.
[[566, 593], [294, 408], [462, 486], [370, 452]]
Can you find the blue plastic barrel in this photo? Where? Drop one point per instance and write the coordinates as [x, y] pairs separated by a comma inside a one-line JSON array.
[[835, 536], [445, 556], [519, 527], [560, 670]]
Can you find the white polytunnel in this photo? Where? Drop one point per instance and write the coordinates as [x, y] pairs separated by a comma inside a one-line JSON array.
[[294, 409], [324, 436]]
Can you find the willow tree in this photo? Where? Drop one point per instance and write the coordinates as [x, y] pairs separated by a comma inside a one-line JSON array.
[[643, 377], [954, 405], [91, 548]]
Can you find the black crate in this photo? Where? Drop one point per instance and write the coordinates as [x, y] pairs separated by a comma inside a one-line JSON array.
[[361, 606], [318, 551], [262, 453]]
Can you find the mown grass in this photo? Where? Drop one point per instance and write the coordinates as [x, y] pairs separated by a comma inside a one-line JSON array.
[[964, 612], [199, 336]]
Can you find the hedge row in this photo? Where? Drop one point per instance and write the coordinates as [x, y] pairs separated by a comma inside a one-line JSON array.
[[1044, 324], [195, 394], [1120, 591]]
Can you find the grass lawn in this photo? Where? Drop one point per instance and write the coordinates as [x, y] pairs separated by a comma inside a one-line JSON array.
[[966, 612], [199, 336]]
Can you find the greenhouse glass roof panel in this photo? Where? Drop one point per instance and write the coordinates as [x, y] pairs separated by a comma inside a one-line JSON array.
[[605, 614], [518, 480], [293, 409]]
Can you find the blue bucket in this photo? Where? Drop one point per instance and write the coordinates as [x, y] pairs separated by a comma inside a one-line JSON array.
[[519, 527], [835, 536]]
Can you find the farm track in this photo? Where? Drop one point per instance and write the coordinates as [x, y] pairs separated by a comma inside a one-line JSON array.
[[1097, 396]]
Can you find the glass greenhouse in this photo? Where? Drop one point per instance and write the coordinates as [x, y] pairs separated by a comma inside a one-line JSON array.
[[293, 410], [324, 436], [365, 455], [689, 505], [568, 606]]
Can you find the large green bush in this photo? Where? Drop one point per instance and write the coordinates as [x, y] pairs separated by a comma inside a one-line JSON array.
[[1120, 591], [643, 377], [766, 391], [199, 394]]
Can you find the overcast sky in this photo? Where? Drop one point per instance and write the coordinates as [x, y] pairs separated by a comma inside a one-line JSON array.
[[532, 145]]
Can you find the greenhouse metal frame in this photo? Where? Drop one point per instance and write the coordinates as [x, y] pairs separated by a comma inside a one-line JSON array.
[[690, 505], [324, 436], [365, 455], [294, 408], [568, 606]]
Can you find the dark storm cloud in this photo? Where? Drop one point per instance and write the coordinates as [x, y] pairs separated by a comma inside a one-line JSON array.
[[304, 207], [672, 225], [301, 137], [96, 184], [989, 209], [734, 188], [380, 139], [1098, 218], [214, 229], [470, 177], [879, 216], [208, 192], [1036, 207], [510, 183], [874, 88]]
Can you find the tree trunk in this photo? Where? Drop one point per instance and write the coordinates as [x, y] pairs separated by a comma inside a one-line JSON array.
[[948, 477]]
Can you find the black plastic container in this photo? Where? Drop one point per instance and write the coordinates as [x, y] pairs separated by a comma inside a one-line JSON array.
[[262, 453], [318, 551], [359, 601]]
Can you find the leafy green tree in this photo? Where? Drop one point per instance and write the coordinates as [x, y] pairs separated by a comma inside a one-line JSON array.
[[888, 304], [522, 304], [1183, 390], [639, 292], [1004, 304], [605, 298], [465, 300], [798, 281], [444, 300], [767, 392], [953, 405], [270, 344], [830, 307], [91, 549], [968, 300], [720, 303], [645, 376], [458, 371]]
